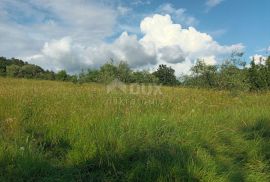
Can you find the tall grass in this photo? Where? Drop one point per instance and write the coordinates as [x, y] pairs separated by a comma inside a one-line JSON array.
[[55, 131]]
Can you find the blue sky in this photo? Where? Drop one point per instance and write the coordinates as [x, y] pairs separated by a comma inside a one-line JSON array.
[[77, 34]]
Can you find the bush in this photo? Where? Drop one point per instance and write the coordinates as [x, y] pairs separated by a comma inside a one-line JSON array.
[[165, 75]]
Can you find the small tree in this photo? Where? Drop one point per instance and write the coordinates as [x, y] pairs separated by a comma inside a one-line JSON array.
[[31, 71], [91, 75], [124, 72], [61, 75], [143, 77], [258, 76], [232, 78], [13, 70], [267, 64], [165, 75], [108, 72], [3, 65]]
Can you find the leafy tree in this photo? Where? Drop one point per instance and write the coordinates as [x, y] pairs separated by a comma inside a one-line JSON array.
[[31, 71], [165, 75], [124, 72], [3, 65], [90, 76], [204, 75], [48, 75], [73, 78], [143, 77], [13, 70], [232, 78], [108, 72], [258, 76], [267, 64], [17, 62], [61, 76]]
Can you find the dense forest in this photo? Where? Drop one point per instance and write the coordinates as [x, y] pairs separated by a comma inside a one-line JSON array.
[[232, 74]]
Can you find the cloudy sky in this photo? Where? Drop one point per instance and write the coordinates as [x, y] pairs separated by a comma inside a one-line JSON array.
[[80, 34]]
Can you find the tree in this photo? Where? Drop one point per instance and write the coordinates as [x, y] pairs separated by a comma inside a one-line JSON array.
[[13, 70], [124, 72], [204, 75], [232, 78], [267, 64], [61, 76], [143, 77], [91, 75], [31, 71], [3, 65], [108, 72], [165, 75], [258, 76], [48, 75]]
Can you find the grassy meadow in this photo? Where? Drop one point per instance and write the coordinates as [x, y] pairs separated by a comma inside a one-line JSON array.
[[57, 131]]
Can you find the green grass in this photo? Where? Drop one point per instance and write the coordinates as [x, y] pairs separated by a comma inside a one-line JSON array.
[[55, 131]]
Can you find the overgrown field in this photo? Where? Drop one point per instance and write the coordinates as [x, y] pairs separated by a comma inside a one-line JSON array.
[[56, 131]]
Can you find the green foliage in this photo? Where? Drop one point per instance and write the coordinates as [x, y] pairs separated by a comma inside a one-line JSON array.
[[89, 76], [48, 75], [204, 75], [31, 71], [143, 77], [124, 72], [13, 70], [232, 75], [165, 75], [121, 71], [108, 72], [17, 68], [61, 76], [3, 65], [259, 76]]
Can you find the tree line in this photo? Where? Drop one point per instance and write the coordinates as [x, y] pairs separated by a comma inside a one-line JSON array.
[[106, 73], [233, 74]]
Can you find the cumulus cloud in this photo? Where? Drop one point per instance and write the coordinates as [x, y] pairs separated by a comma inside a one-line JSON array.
[[61, 54], [162, 32], [66, 54], [162, 42], [31, 23]]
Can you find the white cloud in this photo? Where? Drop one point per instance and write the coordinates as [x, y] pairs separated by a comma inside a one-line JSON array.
[[267, 50], [212, 3], [61, 54], [141, 2], [31, 23], [258, 59], [65, 54], [218, 33], [123, 10], [163, 42], [179, 15], [162, 32]]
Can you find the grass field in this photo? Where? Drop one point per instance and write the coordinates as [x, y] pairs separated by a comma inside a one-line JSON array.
[[55, 131]]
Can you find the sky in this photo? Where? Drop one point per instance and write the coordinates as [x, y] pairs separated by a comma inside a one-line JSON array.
[[81, 34]]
